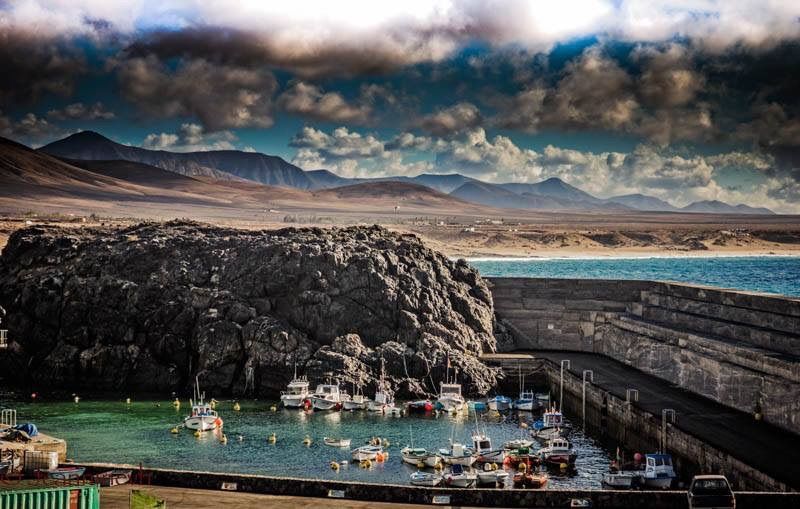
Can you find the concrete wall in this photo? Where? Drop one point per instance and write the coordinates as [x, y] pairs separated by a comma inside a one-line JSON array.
[[738, 348], [458, 497]]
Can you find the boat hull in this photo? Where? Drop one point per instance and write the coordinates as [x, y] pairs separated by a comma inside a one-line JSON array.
[[202, 422], [451, 405], [336, 443], [466, 461], [353, 405], [499, 405], [492, 477], [659, 483], [497, 456], [526, 405], [558, 459], [620, 481], [366, 454], [460, 481], [293, 401], [551, 433], [325, 404], [425, 479]]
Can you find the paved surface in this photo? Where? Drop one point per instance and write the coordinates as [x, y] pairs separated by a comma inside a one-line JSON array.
[[763, 446], [117, 498]]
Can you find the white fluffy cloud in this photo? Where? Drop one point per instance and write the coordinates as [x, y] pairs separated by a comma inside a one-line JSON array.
[[310, 101], [190, 138], [80, 111], [30, 129]]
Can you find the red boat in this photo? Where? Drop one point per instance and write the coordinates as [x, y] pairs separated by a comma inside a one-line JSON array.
[[420, 407], [534, 480]]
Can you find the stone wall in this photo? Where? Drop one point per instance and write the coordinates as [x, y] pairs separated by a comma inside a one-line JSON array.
[[741, 349]]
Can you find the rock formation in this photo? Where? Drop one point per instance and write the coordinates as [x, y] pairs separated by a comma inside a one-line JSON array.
[[148, 307]]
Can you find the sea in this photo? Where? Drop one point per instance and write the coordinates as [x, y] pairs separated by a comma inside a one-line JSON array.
[[140, 432], [770, 274]]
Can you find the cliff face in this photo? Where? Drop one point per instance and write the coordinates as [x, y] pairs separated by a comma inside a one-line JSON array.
[[148, 307]]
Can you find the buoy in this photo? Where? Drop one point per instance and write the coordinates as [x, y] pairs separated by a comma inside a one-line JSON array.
[[128, 401], [273, 408], [563, 466], [523, 425], [420, 464], [379, 457], [218, 422], [176, 403], [385, 443], [77, 399], [213, 404], [366, 464], [334, 465], [307, 440], [224, 438], [174, 430], [522, 467], [272, 438], [236, 407], [437, 466], [494, 466], [240, 438], [197, 433]]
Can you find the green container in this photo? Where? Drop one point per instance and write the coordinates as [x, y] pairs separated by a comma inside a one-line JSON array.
[[48, 494]]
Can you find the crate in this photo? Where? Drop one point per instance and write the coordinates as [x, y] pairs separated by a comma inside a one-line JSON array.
[[39, 460]]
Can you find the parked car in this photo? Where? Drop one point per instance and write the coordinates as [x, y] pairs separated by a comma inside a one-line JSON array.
[[711, 492]]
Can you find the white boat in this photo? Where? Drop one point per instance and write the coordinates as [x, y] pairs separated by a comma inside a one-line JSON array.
[[621, 480], [658, 471], [296, 392], [551, 425], [336, 442], [527, 401], [450, 398], [491, 476], [458, 454], [459, 477], [414, 455], [499, 403], [425, 479], [559, 451], [203, 416], [482, 445], [384, 398], [366, 452], [327, 397], [357, 402], [518, 443]]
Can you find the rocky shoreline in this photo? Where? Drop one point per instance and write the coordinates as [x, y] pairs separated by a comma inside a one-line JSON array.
[[148, 307]]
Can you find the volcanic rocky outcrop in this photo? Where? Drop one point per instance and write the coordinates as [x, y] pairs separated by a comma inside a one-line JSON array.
[[147, 308]]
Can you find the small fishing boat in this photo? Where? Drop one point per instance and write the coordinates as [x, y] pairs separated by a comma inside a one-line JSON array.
[[420, 407], [526, 401], [482, 445], [416, 455], [558, 452], [113, 477], [621, 479], [296, 392], [203, 416], [518, 457], [531, 480], [551, 425], [459, 477], [658, 471], [544, 399], [336, 442], [366, 452], [357, 401], [491, 475], [450, 398], [478, 406], [519, 443], [64, 473], [327, 397], [458, 454], [425, 479], [499, 403], [384, 398]]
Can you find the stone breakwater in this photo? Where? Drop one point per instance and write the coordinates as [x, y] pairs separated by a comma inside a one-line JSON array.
[[150, 306]]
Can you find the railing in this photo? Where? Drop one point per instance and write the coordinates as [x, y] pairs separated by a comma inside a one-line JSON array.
[[8, 416], [3, 338]]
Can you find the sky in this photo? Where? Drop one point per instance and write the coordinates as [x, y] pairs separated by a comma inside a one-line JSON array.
[[685, 100]]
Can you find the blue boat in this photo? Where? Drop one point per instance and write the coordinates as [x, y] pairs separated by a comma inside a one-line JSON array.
[[499, 403], [476, 405]]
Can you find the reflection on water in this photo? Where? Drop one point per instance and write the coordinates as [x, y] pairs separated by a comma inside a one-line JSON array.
[[103, 431]]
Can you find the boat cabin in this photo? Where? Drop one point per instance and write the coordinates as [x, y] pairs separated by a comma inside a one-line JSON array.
[[481, 443], [297, 387], [203, 410], [327, 390], [450, 390], [658, 465], [527, 396], [553, 419], [560, 443]]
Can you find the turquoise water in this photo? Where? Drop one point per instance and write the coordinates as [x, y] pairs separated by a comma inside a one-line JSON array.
[[110, 431], [773, 274]]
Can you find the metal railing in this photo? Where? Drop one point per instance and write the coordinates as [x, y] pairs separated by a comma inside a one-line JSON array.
[[3, 338]]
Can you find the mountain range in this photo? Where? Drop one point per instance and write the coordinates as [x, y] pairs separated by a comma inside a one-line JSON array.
[[233, 165]]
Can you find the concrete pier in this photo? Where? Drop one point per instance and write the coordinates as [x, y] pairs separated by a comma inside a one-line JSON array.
[[715, 357]]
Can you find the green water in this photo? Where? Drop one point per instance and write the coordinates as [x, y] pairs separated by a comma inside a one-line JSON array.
[[112, 431]]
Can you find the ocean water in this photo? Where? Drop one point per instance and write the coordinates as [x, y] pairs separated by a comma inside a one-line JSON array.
[[772, 274], [111, 431]]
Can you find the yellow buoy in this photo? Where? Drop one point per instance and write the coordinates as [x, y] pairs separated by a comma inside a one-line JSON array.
[[197, 433], [437, 466], [213, 404], [522, 467], [563, 466], [494, 466], [273, 408], [272, 438], [128, 401], [176, 403], [523, 425], [224, 439], [77, 399], [420, 464], [236, 407], [334, 465], [174, 430], [366, 464], [307, 440]]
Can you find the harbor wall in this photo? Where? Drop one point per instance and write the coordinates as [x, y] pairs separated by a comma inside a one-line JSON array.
[[600, 499], [738, 348]]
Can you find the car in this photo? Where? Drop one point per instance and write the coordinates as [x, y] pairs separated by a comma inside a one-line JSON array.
[[711, 492]]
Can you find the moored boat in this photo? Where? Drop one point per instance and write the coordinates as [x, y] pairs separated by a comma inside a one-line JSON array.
[[450, 398], [420, 407], [460, 477], [327, 397], [499, 403], [518, 443], [113, 477], [64, 473], [491, 475], [621, 480], [478, 406], [531, 480], [203, 416], [482, 445], [425, 479], [296, 392], [367, 452], [526, 402], [458, 454], [551, 425], [558, 452], [384, 398], [658, 471], [357, 402], [414, 455], [336, 442]]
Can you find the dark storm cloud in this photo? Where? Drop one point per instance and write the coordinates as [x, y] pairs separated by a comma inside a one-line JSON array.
[[453, 119], [218, 95], [33, 66]]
